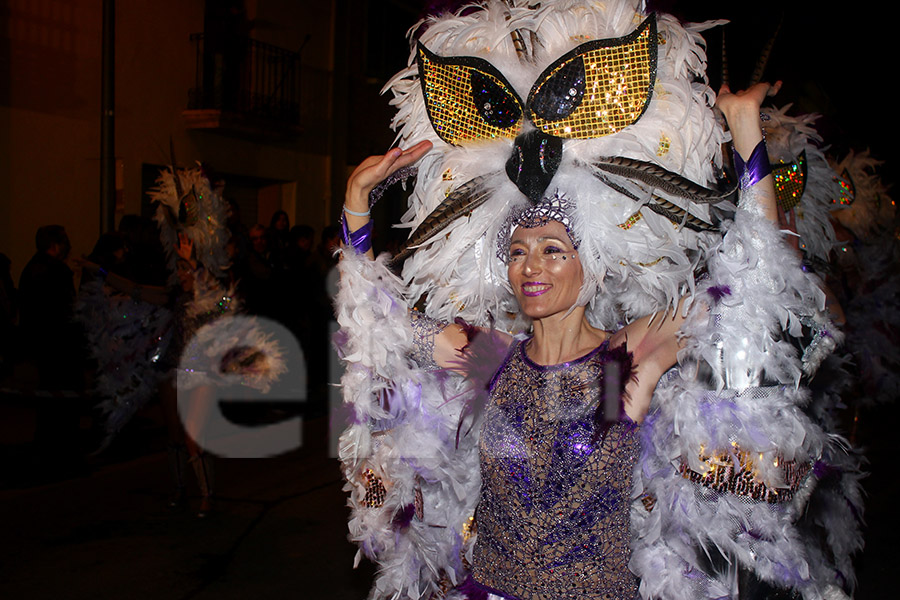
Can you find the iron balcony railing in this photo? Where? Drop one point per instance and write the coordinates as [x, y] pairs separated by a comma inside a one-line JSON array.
[[246, 76]]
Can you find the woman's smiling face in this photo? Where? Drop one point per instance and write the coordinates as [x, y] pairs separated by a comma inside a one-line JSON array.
[[544, 270]]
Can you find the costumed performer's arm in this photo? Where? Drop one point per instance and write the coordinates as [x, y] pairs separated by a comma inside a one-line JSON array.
[[741, 110], [654, 339], [437, 344], [149, 293], [153, 294]]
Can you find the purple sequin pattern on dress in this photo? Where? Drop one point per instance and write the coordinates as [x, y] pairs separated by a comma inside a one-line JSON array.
[[555, 496]]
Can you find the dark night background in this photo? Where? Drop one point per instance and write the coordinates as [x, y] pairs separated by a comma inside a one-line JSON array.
[[105, 532]]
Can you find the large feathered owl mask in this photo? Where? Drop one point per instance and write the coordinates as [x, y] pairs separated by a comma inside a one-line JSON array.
[[595, 103]]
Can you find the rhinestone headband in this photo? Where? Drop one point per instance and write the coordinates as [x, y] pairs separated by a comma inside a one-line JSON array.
[[552, 208]]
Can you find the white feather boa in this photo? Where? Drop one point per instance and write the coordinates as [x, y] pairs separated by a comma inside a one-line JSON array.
[[404, 428], [787, 137], [755, 291]]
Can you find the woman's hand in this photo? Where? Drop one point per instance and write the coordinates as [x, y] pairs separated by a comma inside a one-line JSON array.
[[376, 169], [370, 173], [185, 248], [741, 111], [744, 101]]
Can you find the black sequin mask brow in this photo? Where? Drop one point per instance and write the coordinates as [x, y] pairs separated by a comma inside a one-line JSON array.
[[597, 89]]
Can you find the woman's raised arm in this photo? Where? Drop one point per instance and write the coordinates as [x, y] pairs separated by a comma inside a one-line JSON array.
[[741, 110], [365, 177]]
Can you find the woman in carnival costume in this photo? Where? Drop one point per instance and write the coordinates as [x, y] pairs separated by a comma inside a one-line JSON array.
[[569, 213], [173, 339]]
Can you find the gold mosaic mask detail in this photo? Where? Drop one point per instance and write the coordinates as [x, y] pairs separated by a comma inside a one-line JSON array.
[[597, 89], [467, 98]]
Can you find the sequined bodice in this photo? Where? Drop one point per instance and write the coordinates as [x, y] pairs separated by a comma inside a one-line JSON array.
[[553, 516]]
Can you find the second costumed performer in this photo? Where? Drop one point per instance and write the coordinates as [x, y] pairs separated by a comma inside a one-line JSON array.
[[555, 244]]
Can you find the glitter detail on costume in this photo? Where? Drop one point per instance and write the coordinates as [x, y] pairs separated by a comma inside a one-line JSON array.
[[630, 221], [790, 181], [467, 98], [848, 190], [651, 263], [598, 88], [643, 264], [664, 144], [468, 529], [188, 209], [552, 208], [424, 328], [737, 474], [419, 501], [375, 490], [553, 521]]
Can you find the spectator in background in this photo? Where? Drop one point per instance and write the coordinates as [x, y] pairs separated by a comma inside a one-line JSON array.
[[299, 251], [54, 342], [8, 314], [257, 278], [145, 260], [304, 288], [109, 252], [279, 236], [47, 299], [240, 234]]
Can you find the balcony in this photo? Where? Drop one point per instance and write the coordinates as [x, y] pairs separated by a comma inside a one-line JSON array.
[[244, 88]]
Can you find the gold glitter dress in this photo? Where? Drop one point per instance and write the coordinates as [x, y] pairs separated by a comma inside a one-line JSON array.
[[556, 482]]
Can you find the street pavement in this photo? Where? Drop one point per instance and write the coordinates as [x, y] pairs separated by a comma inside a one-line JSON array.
[[279, 530], [105, 531]]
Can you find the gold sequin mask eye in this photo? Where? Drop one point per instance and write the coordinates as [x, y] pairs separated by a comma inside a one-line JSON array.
[[597, 89], [790, 182]]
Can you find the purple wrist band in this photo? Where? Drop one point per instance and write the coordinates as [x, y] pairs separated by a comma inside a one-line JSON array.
[[749, 173], [360, 240]]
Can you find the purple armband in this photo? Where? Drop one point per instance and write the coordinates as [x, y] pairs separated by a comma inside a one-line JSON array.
[[360, 240], [750, 172]]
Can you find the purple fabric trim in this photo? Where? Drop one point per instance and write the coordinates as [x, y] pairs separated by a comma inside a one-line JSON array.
[[821, 469], [404, 517], [493, 382], [749, 173], [559, 366], [718, 292], [360, 240], [473, 589]]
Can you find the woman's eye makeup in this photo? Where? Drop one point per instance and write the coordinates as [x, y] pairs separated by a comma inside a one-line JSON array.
[[549, 252]]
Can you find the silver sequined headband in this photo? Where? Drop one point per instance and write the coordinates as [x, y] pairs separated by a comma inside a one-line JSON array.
[[552, 208]]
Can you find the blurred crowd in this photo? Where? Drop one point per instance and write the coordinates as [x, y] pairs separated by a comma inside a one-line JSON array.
[[279, 273]]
